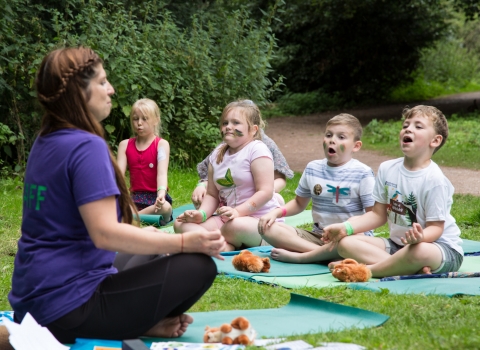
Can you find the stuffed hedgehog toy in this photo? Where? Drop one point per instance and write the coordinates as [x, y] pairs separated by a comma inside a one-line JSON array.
[[351, 271], [239, 331], [248, 262]]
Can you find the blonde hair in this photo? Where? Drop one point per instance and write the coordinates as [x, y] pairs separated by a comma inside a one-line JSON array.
[[252, 115], [350, 121], [149, 109], [438, 119]]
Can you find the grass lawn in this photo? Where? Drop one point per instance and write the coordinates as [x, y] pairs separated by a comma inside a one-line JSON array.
[[429, 322], [416, 321]]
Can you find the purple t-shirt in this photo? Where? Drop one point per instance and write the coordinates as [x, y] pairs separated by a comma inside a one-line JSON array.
[[57, 266]]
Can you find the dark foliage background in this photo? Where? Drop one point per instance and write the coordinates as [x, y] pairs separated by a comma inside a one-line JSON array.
[[194, 56]]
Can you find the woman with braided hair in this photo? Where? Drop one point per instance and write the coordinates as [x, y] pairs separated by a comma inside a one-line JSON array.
[[77, 214]]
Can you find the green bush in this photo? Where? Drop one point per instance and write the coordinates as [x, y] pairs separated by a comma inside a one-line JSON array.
[[191, 72], [450, 63], [360, 49], [309, 102]]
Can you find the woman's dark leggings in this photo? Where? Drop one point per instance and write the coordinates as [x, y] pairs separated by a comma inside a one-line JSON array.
[[146, 290]]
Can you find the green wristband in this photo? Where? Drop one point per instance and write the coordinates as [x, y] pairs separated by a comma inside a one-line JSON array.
[[349, 228], [201, 184], [161, 188], [204, 215]]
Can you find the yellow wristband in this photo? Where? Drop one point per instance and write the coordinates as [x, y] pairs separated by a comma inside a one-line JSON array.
[[201, 184], [162, 188]]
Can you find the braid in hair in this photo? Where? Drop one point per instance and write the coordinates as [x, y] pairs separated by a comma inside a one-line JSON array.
[[65, 77], [62, 88]]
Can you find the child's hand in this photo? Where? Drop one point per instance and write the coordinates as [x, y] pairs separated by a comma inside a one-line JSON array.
[[414, 235], [266, 221], [334, 233], [193, 216], [160, 200], [227, 213], [198, 195]]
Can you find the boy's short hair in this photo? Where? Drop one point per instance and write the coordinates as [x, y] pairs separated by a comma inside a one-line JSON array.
[[348, 120], [435, 115]]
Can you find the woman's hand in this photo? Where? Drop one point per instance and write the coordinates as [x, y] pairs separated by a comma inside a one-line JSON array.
[[227, 213], [198, 195], [160, 200], [266, 221], [414, 235], [210, 243], [192, 216]]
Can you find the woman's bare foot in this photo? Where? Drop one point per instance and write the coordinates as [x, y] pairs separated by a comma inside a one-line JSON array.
[[285, 255], [170, 327]]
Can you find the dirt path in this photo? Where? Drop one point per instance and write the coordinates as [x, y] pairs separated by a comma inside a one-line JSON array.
[[300, 138]]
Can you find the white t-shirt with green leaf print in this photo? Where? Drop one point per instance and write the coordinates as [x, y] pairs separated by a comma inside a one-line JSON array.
[[234, 179]]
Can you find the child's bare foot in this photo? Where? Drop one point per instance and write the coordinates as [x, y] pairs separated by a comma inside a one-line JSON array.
[[285, 255], [331, 266], [170, 327], [426, 270]]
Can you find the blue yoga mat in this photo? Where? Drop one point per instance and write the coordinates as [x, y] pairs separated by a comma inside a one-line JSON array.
[[301, 315], [277, 268]]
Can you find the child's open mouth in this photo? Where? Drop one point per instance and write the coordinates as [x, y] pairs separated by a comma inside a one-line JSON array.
[[331, 151], [407, 139]]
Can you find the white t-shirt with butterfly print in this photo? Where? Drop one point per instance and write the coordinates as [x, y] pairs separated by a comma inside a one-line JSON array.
[[337, 193]]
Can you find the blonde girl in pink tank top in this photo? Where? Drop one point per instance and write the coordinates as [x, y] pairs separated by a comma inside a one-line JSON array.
[[147, 155]]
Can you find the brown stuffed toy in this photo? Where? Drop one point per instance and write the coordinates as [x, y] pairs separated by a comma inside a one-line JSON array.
[[248, 262], [239, 331], [351, 271]]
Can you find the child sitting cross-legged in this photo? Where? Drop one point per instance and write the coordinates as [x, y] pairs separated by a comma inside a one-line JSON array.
[[147, 156], [240, 181], [339, 187], [414, 197]]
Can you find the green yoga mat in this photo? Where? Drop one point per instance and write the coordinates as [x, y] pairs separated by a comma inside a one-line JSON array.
[[301, 315], [315, 281], [439, 286], [157, 220], [470, 246], [444, 286], [470, 264], [277, 268]]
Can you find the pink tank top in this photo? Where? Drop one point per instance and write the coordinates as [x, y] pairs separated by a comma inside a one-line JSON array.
[[142, 166]]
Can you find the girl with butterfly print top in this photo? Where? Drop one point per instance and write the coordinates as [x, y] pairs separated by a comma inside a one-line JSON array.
[[241, 178]]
